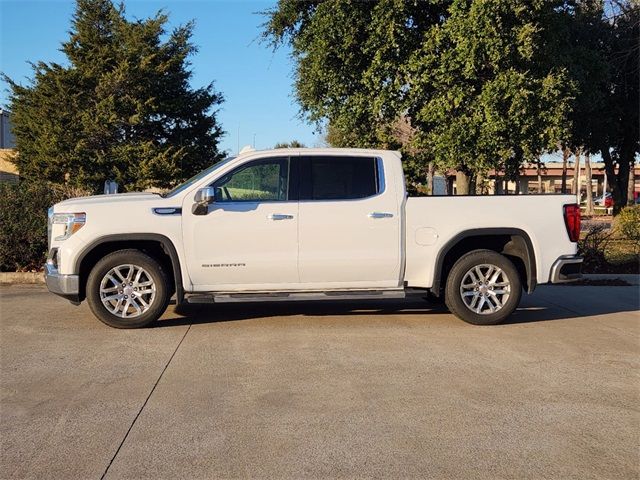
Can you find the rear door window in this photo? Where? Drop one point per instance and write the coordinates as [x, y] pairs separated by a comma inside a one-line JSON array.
[[338, 178]]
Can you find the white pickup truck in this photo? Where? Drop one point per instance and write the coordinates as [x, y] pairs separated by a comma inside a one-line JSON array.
[[307, 224]]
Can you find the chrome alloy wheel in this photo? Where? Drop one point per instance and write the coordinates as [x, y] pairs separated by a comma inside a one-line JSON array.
[[127, 291], [485, 289]]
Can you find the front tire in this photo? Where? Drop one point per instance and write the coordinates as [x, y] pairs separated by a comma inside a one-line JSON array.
[[128, 289], [483, 288]]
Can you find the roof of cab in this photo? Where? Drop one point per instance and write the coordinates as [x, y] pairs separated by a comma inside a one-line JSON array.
[[318, 151]]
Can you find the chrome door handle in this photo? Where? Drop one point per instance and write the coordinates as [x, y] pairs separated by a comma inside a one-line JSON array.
[[279, 216], [380, 215]]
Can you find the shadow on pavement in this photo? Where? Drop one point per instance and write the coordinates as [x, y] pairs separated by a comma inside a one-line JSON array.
[[227, 312], [535, 308]]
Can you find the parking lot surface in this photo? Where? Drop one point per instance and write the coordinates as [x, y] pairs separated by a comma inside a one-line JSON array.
[[318, 390]]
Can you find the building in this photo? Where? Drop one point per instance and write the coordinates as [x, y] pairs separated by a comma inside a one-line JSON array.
[[7, 139], [8, 171], [549, 180]]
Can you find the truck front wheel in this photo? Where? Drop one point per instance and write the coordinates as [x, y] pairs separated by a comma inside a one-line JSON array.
[[128, 289], [483, 288]]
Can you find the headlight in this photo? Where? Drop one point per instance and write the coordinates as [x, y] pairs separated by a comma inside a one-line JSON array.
[[71, 223]]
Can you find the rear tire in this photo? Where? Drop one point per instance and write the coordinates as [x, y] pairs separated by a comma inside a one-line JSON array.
[[128, 289], [483, 288]]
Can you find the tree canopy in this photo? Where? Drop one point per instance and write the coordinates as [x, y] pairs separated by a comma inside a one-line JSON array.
[[291, 144], [121, 108], [466, 84]]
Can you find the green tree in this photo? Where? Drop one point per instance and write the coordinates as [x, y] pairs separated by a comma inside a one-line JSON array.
[[484, 89], [599, 47], [122, 108], [291, 144], [476, 81], [620, 143], [349, 77]]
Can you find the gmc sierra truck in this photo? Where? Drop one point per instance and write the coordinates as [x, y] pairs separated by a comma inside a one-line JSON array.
[[307, 224]]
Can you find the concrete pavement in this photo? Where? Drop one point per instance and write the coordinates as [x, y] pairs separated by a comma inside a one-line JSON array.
[[318, 390]]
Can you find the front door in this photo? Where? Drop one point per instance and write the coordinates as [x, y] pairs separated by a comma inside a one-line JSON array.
[[248, 240]]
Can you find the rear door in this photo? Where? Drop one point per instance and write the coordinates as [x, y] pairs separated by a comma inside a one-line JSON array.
[[349, 229]]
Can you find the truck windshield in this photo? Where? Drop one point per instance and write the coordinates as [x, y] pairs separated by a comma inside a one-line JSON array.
[[183, 186]]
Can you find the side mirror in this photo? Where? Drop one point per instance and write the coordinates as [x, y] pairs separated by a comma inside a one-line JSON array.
[[204, 197]]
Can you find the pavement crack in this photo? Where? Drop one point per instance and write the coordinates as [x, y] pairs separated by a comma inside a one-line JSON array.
[[124, 439]]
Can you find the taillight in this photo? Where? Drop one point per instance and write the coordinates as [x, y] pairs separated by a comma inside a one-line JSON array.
[[572, 221]]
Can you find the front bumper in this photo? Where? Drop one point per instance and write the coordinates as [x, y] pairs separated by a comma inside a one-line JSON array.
[[67, 286], [566, 268]]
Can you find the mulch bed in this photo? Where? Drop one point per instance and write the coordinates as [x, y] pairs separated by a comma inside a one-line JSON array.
[[610, 282]]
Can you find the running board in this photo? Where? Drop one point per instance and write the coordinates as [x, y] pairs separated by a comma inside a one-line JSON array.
[[295, 296]]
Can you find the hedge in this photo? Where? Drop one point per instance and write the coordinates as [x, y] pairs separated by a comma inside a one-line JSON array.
[[23, 223]]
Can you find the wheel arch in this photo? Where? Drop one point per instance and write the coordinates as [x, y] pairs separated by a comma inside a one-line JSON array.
[[514, 243], [152, 243]]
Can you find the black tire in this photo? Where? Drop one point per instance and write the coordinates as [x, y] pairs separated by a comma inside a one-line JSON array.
[[151, 267], [453, 295]]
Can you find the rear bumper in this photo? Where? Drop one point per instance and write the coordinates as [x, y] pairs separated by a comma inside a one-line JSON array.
[[566, 268], [67, 286]]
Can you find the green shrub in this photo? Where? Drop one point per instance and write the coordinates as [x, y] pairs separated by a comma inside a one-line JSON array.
[[23, 223], [627, 223]]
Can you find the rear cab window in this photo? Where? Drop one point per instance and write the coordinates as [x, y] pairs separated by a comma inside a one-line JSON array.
[[339, 177]]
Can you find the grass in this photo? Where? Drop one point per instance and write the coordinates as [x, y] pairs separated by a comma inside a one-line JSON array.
[[620, 252]]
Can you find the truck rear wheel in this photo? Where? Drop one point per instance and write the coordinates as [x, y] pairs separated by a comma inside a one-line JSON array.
[[483, 288], [128, 289]]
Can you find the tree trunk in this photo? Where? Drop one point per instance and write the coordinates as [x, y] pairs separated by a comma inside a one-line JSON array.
[[576, 176], [462, 183], [587, 167], [539, 177], [632, 185], [479, 184], [565, 158], [430, 178], [619, 182]]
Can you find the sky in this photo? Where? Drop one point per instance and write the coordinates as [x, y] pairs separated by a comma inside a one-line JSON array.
[[255, 81]]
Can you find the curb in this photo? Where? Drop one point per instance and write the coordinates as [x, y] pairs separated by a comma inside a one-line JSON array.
[[9, 278]]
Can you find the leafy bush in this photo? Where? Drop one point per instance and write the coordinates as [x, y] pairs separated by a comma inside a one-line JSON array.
[[627, 225], [23, 222]]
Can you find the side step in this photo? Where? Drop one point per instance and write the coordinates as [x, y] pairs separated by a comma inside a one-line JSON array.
[[295, 296]]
